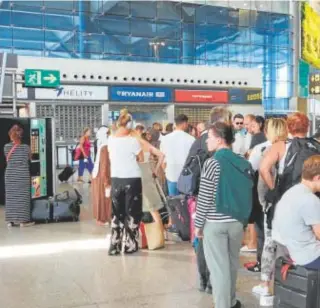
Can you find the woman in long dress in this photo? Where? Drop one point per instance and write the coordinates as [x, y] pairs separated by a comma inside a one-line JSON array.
[[151, 201], [17, 180], [101, 181]]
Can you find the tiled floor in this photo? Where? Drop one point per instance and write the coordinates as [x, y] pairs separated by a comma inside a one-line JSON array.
[[66, 265]]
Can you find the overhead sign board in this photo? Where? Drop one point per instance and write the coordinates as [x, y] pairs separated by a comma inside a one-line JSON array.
[[41, 78], [310, 25], [314, 84], [243, 96], [77, 92], [253, 96], [140, 94], [201, 96]]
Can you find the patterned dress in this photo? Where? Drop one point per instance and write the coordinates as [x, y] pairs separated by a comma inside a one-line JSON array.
[[18, 184]]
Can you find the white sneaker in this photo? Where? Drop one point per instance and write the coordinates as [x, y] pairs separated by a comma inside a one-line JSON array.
[[261, 290]]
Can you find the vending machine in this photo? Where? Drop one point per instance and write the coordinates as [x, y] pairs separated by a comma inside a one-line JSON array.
[[39, 135]]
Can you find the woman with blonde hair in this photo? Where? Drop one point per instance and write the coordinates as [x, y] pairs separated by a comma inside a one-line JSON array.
[[85, 161], [101, 181], [276, 130], [126, 192]]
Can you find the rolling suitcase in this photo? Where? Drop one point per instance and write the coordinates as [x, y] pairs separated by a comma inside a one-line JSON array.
[[298, 288], [66, 210], [42, 210], [66, 206], [66, 174], [178, 207], [192, 205]]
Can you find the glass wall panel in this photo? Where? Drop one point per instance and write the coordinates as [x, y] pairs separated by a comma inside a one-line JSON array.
[[232, 34]]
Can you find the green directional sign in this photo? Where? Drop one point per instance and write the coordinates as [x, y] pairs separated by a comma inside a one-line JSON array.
[[41, 78]]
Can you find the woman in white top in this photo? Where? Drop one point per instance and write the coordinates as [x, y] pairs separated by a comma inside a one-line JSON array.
[[276, 131], [126, 192]]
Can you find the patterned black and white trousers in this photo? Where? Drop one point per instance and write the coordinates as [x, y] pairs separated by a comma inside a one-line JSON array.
[[126, 197]]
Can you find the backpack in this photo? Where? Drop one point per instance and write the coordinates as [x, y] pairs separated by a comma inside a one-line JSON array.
[[234, 193], [189, 179], [299, 151]]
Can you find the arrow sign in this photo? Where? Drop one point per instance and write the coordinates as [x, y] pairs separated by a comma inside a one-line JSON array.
[[41, 78], [51, 78]]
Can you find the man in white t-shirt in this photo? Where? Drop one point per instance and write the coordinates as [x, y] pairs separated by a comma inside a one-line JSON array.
[[176, 147]]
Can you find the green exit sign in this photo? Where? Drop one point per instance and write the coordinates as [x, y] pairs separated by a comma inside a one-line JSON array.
[[41, 78]]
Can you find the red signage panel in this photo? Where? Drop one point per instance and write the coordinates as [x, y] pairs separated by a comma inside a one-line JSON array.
[[201, 96]]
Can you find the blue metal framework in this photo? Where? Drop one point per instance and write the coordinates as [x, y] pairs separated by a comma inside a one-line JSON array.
[[155, 31]]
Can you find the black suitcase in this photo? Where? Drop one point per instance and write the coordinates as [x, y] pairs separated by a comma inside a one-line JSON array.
[[66, 210], [66, 206], [300, 289], [178, 207], [42, 210], [66, 174]]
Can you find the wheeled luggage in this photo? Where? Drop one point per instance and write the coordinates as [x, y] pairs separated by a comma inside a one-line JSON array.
[[66, 206], [178, 207], [66, 210], [192, 205], [298, 288], [66, 174], [42, 210]]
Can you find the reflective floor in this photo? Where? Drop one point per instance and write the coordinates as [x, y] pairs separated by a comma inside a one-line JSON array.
[[66, 265]]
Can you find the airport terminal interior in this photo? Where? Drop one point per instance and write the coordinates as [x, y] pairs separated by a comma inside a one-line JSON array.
[[71, 73]]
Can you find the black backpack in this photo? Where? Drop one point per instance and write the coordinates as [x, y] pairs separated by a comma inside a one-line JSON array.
[[299, 151], [189, 179]]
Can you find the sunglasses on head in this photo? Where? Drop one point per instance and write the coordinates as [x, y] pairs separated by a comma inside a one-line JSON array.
[[239, 123]]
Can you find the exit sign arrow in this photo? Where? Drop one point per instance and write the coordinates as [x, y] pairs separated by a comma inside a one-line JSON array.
[[51, 78], [41, 78]]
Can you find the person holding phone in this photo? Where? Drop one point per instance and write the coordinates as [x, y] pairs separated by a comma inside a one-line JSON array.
[[101, 181]]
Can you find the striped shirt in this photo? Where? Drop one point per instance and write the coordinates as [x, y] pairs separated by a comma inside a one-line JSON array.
[[206, 207]]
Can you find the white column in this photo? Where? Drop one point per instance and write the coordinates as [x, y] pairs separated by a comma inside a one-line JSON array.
[[105, 114], [170, 113]]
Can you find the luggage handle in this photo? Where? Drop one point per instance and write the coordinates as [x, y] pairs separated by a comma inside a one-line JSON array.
[[287, 264]]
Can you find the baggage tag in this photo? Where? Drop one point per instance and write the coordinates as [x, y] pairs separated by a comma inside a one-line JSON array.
[[108, 192]]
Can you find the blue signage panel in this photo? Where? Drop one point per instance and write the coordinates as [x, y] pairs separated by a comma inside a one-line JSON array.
[[243, 96], [137, 94], [237, 96]]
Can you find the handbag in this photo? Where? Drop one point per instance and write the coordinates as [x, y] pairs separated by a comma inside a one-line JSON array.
[[77, 153], [147, 218]]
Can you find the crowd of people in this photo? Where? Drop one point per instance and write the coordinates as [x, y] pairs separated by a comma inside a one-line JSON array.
[[258, 177]]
